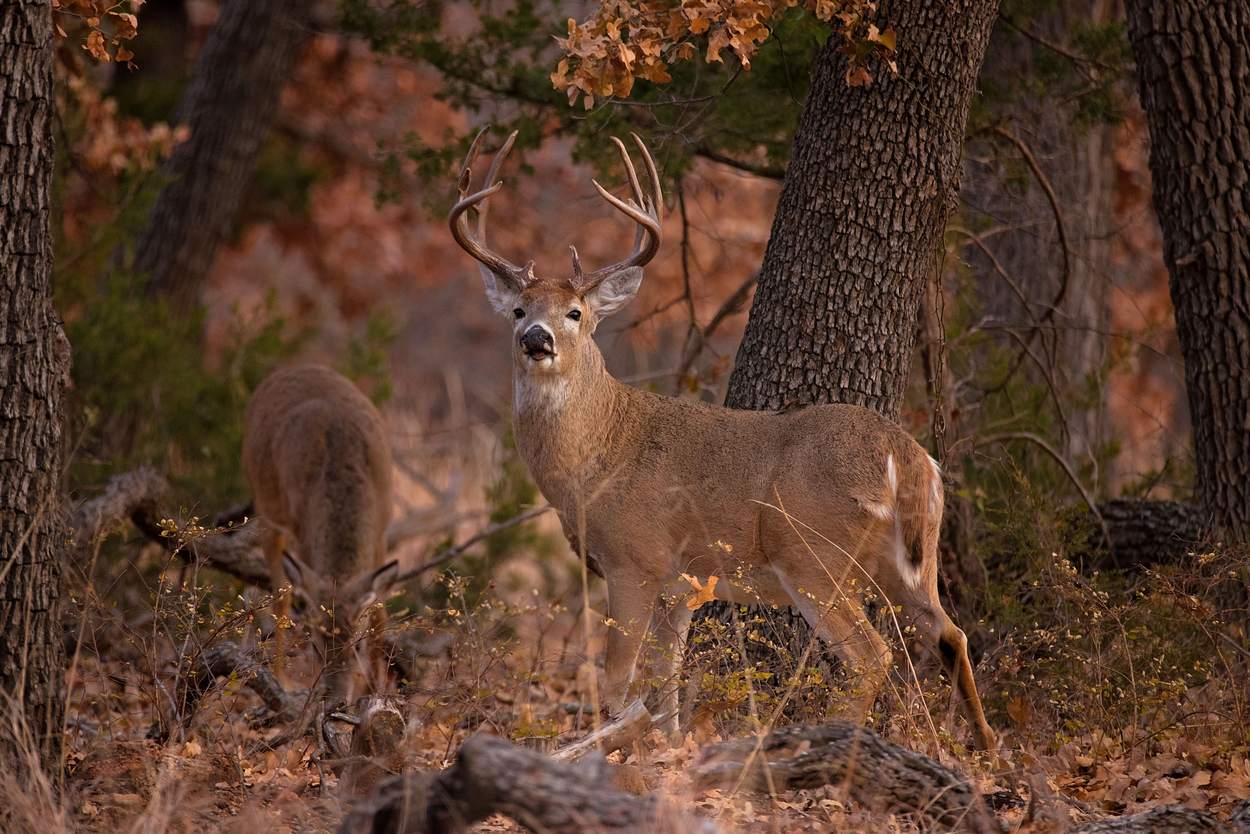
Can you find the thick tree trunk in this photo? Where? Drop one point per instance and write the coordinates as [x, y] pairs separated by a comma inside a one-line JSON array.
[[1193, 66], [229, 107], [34, 359], [859, 225]]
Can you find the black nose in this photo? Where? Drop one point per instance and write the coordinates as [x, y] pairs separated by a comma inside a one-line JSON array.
[[537, 340]]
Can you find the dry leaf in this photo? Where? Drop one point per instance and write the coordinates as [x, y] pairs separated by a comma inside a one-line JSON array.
[[703, 594]]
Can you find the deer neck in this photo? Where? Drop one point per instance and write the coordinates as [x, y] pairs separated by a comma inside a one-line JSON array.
[[565, 424]]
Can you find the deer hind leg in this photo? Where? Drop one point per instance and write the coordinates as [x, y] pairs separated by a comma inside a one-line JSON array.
[[273, 544], [841, 623], [952, 645], [630, 607]]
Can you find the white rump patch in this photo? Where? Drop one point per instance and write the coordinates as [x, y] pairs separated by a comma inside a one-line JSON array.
[[935, 486], [909, 572], [891, 478]]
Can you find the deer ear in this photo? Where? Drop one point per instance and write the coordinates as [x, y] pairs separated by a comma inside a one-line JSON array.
[[615, 291], [500, 292]]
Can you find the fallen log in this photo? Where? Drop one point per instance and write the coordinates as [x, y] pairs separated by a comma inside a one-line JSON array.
[[1168, 819], [1146, 533], [627, 728], [491, 775], [224, 660], [377, 746], [873, 772]]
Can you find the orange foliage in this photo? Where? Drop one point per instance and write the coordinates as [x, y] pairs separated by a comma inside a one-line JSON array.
[[624, 40]]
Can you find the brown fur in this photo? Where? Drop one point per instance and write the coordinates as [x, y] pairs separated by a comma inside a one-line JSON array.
[[317, 458], [791, 508]]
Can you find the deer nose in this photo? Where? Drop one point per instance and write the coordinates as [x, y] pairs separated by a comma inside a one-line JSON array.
[[537, 339]]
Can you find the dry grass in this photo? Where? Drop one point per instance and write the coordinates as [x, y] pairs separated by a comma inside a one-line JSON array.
[[1123, 694]]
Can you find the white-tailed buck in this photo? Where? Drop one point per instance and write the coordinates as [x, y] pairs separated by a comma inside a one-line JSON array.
[[317, 459], [810, 508]]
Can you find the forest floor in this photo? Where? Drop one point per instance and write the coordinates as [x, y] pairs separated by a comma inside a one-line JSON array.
[[1096, 707], [516, 666]]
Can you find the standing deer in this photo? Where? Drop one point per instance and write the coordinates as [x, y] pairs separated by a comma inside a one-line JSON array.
[[809, 508], [317, 459]]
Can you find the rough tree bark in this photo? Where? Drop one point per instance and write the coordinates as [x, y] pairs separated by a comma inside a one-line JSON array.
[[1193, 67], [34, 359], [492, 776], [229, 107], [859, 224]]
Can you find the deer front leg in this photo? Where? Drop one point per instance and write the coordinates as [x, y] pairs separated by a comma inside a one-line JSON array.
[[631, 602], [671, 627]]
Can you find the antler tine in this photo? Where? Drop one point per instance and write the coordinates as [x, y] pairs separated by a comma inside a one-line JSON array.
[[491, 173], [466, 170], [645, 213], [633, 175], [657, 192], [475, 245]]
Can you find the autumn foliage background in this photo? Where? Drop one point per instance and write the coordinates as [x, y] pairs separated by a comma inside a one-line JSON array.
[[1106, 680]]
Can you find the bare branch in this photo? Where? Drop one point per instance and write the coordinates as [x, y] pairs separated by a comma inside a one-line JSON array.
[[447, 554], [1067, 468]]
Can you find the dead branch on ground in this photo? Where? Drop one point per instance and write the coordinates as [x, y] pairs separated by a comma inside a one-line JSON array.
[[226, 660], [630, 726], [491, 776], [234, 550], [874, 772]]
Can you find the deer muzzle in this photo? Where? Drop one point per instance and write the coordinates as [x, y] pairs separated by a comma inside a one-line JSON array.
[[538, 343]]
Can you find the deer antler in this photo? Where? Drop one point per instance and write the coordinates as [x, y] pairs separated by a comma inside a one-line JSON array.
[[475, 244], [642, 210]]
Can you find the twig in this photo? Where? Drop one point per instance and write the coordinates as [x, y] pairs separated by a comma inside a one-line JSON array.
[[1060, 226], [447, 554], [1067, 468], [755, 169]]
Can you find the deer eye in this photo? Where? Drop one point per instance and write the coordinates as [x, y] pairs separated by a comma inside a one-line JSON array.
[[575, 315], [518, 313]]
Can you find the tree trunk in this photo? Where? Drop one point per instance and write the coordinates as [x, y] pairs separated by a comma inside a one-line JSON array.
[[34, 360], [229, 107], [859, 224], [1193, 67]]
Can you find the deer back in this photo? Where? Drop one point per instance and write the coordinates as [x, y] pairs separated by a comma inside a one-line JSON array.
[[317, 458]]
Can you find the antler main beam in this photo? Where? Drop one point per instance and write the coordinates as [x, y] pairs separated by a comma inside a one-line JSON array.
[[475, 243]]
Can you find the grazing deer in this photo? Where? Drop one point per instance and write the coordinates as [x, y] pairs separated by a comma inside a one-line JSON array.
[[809, 508], [319, 465]]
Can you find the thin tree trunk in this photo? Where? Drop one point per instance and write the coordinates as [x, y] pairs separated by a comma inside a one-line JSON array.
[[229, 107], [1193, 67], [34, 359], [859, 224]]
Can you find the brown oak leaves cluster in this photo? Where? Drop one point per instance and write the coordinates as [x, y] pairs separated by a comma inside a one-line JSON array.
[[624, 41]]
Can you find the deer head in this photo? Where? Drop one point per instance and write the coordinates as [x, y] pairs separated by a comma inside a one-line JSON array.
[[554, 319], [335, 611]]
